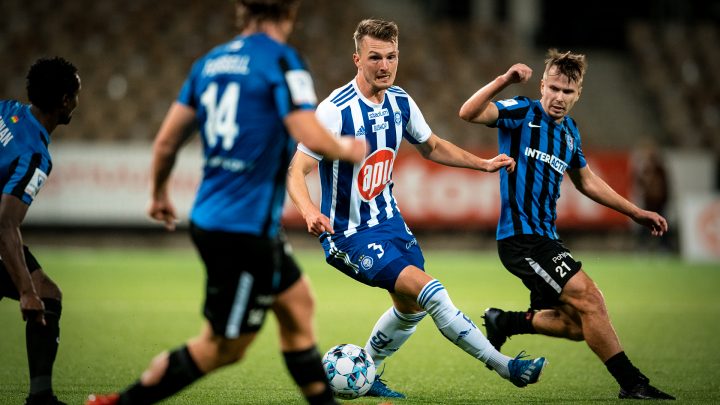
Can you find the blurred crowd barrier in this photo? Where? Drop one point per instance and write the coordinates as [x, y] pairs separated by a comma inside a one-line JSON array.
[[96, 185]]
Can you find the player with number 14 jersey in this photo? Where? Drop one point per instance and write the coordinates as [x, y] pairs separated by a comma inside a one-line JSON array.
[[241, 91]]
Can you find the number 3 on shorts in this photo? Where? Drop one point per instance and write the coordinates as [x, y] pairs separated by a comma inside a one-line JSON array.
[[375, 246]]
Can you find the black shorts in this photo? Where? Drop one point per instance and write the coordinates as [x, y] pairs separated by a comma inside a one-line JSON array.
[[244, 274], [544, 265], [7, 286]]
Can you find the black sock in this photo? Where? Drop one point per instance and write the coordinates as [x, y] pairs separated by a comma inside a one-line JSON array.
[[42, 342], [624, 372], [305, 367], [181, 371], [516, 323]]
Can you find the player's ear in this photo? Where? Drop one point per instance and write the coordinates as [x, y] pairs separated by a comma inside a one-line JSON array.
[[356, 59], [65, 101]]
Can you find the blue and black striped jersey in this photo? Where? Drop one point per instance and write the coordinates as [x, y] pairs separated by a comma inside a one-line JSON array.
[[25, 161], [543, 150], [242, 91]]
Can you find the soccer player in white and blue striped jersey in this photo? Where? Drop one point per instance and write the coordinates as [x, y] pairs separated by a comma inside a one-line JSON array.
[[359, 223]]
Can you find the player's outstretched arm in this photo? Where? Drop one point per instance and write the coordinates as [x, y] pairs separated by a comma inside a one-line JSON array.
[[479, 109], [446, 153], [178, 125], [12, 213], [306, 129], [300, 167], [591, 185]]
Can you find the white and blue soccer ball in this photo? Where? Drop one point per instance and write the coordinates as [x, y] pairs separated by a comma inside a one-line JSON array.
[[350, 370]]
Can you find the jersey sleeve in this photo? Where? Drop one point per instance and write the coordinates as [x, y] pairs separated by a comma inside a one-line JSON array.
[[329, 116], [28, 177], [296, 90], [578, 158], [511, 112], [187, 94], [418, 131]]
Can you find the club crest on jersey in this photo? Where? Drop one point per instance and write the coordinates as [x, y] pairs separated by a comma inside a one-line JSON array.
[[398, 118], [569, 141], [375, 173], [366, 262]]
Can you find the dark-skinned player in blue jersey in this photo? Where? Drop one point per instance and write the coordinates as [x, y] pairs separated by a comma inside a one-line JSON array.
[[53, 86]]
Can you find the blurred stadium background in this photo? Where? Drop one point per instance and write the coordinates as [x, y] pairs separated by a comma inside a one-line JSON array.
[[653, 83]]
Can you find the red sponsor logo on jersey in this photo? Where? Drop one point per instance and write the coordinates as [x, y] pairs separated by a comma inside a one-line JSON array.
[[375, 173]]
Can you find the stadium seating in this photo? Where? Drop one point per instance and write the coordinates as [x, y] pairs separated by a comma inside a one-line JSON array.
[[133, 57], [680, 67]]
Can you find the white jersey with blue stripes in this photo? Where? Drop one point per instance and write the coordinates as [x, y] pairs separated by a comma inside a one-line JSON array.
[[359, 196]]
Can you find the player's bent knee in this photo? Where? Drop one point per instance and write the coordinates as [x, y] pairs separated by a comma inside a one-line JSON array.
[[52, 291], [583, 295], [591, 304], [406, 305], [216, 351], [47, 288], [230, 353], [593, 299]]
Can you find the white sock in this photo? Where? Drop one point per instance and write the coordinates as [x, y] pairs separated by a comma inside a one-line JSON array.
[[459, 329], [390, 332]]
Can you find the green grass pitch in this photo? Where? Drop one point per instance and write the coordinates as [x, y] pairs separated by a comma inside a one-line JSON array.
[[122, 306]]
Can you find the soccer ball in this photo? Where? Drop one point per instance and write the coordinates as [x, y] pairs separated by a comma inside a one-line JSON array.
[[350, 370]]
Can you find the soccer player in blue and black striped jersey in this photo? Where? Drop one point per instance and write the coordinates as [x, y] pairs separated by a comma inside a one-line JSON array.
[[359, 223], [545, 142], [53, 86], [251, 98]]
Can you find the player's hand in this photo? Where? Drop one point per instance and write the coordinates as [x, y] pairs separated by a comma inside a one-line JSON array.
[[500, 161], [32, 307], [518, 73], [657, 224], [317, 223], [353, 149], [162, 210]]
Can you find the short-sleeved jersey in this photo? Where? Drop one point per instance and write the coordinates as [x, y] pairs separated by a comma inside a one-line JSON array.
[[359, 196], [25, 161], [543, 150], [241, 91]]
